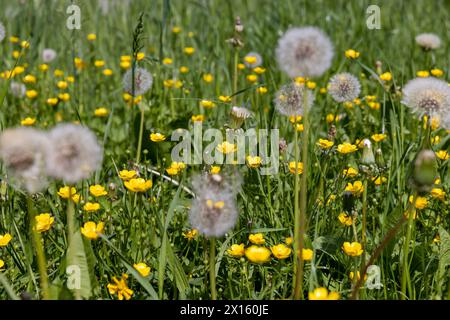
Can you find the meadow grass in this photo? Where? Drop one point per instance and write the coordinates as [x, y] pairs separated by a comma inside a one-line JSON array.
[[152, 227]]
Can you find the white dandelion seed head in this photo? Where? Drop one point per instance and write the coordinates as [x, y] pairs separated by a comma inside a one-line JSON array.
[[48, 55], [257, 57], [241, 112], [428, 96], [344, 87], [305, 52], [428, 41], [2, 32], [17, 89], [214, 209], [23, 151], [290, 99], [75, 155], [142, 83]]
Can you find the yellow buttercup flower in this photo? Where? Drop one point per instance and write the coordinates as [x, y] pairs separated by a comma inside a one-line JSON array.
[[91, 206], [345, 219], [207, 104], [176, 29], [29, 79], [379, 180], [107, 72], [175, 168], [350, 172], [330, 118], [140, 56], [387, 76], [138, 185], [358, 275], [353, 249], [261, 90], [28, 121], [351, 54], [64, 96], [43, 222], [52, 101], [325, 144], [125, 64], [214, 169], [120, 288], [31, 94], [254, 162], [5, 239], [378, 137], [127, 174], [257, 238], [226, 147], [62, 85], [295, 119], [422, 74], [191, 234], [142, 268], [346, 147], [289, 240], [252, 78], [296, 167], [420, 202], [236, 250], [91, 37], [207, 77], [184, 69], [307, 254], [189, 50], [259, 70], [281, 251], [167, 61], [323, 294], [101, 112], [225, 98], [91, 230], [65, 192], [437, 72], [2, 264], [157, 137], [76, 198], [438, 193], [442, 154], [355, 188], [198, 118], [257, 254]]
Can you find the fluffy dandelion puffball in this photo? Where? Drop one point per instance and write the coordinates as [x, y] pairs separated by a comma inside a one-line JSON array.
[[428, 96], [17, 89], [240, 113], [75, 154], [214, 210], [344, 87], [48, 55], [143, 81], [2, 32], [253, 60], [23, 151], [290, 99], [306, 52], [428, 41]]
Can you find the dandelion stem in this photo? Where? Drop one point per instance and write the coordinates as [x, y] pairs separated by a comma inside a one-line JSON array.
[[235, 73], [71, 232], [37, 241], [405, 269], [300, 216], [212, 268], [141, 133]]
